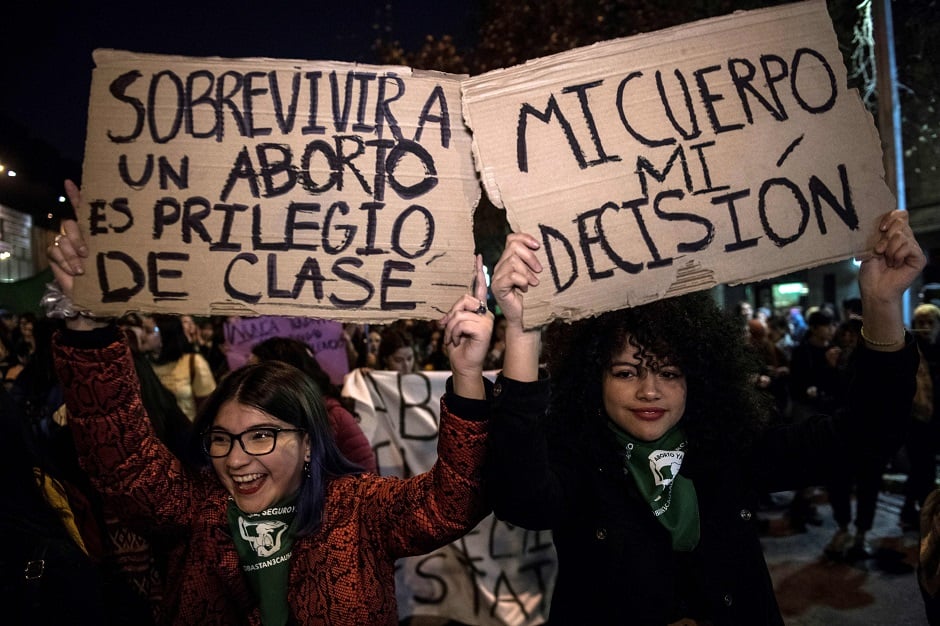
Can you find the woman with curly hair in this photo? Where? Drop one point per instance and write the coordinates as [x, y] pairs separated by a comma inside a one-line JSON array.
[[646, 447], [688, 332]]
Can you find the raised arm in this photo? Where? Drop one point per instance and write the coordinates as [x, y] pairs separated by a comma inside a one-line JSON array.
[[115, 442], [516, 271], [895, 262], [874, 421], [426, 511], [525, 487]]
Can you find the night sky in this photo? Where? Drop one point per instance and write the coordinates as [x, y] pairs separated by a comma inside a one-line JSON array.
[[47, 49]]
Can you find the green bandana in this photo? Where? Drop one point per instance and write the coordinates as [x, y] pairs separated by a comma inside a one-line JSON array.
[[264, 541], [654, 466]]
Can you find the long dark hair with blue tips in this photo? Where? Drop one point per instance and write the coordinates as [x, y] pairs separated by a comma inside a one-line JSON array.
[[283, 391]]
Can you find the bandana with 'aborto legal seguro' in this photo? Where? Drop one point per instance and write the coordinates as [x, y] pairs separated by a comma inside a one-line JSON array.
[[654, 466]]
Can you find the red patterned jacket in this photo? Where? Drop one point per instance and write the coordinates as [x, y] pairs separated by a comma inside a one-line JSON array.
[[342, 574]]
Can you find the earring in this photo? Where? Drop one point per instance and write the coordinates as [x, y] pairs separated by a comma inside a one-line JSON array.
[[307, 469]]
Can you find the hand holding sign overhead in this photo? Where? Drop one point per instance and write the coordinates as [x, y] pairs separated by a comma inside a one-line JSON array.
[[468, 327], [722, 151], [68, 256], [894, 264], [517, 271], [281, 187]]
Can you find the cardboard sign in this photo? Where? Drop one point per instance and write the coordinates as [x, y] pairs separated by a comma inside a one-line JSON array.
[[279, 187], [497, 574], [722, 151], [324, 337]]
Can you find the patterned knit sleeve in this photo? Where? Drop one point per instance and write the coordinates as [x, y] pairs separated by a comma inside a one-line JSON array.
[[114, 440], [420, 514]]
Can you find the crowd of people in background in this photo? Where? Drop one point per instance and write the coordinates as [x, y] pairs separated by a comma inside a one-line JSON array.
[[806, 356], [188, 353]]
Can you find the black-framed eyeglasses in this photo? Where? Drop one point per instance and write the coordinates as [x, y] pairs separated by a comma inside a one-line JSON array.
[[256, 441]]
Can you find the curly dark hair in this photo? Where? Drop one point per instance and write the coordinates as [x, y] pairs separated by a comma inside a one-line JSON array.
[[723, 408]]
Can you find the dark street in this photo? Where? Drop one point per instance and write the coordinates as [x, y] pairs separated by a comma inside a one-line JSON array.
[[813, 590]]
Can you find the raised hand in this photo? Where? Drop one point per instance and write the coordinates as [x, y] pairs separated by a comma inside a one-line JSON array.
[[468, 327], [67, 252], [516, 271], [895, 262]]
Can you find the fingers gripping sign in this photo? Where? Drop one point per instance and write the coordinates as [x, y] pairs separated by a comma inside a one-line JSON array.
[[896, 259], [67, 252], [467, 330], [516, 271]]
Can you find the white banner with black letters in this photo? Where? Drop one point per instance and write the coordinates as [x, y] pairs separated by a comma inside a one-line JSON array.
[[497, 574]]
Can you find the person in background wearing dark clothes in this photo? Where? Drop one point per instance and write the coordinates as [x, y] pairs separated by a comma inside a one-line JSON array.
[[815, 381], [924, 440], [24, 346], [212, 344], [36, 390], [774, 373], [863, 478], [645, 452], [815, 387], [23, 333], [47, 575]]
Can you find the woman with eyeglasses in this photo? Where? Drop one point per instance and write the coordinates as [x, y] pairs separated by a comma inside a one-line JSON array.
[[278, 527]]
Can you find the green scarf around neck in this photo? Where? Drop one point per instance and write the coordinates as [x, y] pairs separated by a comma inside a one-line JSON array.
[[654, 466], [264, 542]]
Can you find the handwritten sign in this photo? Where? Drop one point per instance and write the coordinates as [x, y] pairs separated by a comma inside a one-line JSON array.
[[279, 187], [722, 151], [497, 574], [324, 337]]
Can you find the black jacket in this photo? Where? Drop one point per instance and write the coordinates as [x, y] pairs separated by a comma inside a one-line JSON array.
[[615, 560]]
